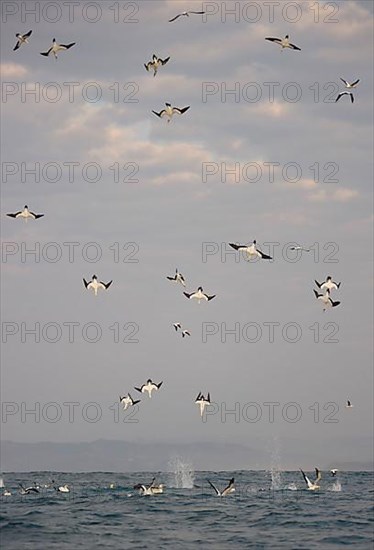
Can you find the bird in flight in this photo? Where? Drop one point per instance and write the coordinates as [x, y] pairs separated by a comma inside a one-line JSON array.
[[26, 214], [284, 43], [301, 248], [127, 401], [187, 14], [149, 387], [56, 48], [251, 250], [202, 402], [96, 285], [329, 284], [22, 39], [155, 63], [169, 111], [326, 300], [199, 295], [350, 85], [312, 486], [178, 278]]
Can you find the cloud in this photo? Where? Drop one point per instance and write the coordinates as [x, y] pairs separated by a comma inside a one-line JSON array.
[[338, 195], [13, 70]]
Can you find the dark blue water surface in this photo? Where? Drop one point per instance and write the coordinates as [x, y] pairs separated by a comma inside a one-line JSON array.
[[268, 510]]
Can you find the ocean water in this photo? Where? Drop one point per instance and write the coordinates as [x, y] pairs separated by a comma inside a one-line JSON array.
[[268, 510]]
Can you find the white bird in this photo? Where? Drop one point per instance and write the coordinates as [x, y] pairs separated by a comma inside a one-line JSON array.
[[62, 489], [127, 401], [169, 111], [348, 404], [202, 402], [284, 43], [334, 471], [199, 295], [177, 326], [26, 214], [226, 491], [22, 39], [312, 486], [6, 493], [149, 387], [56, 48], [95, 284], [151, 489], [251, 250], [185, 333], [345, 93], [157, 489], [325, 299], [350, 85], [187, 14], [178, 278], [155, 63], [329, 284]]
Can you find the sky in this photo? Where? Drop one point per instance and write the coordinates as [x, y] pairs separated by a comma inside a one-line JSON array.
[[264, 152]]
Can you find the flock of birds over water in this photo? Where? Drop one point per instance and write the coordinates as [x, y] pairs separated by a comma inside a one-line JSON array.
[[153, 488], [250, 252]]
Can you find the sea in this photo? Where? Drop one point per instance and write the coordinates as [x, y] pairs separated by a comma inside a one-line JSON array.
[[269, 509]]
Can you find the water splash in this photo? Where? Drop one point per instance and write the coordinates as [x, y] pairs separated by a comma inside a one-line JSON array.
[[182, 473], [292, 487], [336, 487], [275, 470]]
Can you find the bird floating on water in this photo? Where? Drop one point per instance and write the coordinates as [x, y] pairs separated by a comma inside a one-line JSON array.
[[150, 489], [62, 489]]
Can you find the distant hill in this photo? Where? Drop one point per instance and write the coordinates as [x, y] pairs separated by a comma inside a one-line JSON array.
[[124, 456]]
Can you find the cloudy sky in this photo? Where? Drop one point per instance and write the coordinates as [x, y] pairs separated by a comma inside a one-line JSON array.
[[129, 197]]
